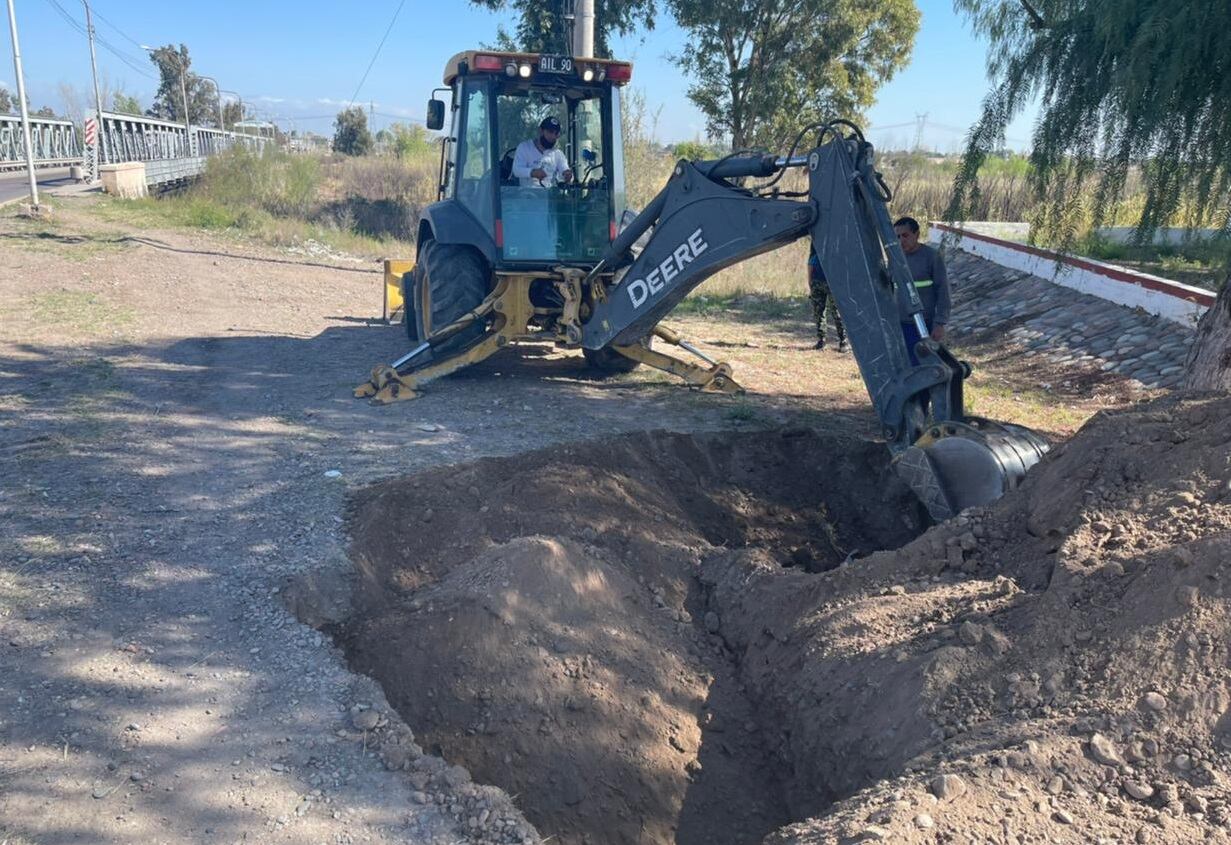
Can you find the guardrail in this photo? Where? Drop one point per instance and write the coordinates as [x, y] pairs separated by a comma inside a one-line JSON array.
[[53, 142]]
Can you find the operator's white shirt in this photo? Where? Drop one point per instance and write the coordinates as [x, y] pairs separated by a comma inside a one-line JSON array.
[[528, 157]]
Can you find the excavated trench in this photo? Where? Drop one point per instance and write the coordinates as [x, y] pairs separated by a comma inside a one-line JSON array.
[[540, 619]]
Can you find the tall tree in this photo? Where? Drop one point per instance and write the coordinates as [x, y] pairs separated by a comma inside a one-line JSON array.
[[1124, 85], [763, 69], [541, 25], [174, 63], [351, 135], [7, 101]]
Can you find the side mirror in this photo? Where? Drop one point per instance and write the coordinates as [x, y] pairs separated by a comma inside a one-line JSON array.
[[435, 114]]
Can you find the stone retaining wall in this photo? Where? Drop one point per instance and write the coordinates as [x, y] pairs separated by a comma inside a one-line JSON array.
[[1060, 326]]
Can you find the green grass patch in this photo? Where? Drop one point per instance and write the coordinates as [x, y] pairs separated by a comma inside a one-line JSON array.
[[745, 306], [79, 311], [1202, 263]]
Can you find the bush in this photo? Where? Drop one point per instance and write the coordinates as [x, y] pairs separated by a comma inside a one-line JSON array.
[[273, 181]]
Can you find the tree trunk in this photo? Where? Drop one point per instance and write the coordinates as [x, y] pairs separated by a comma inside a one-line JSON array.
[[1209, 364]]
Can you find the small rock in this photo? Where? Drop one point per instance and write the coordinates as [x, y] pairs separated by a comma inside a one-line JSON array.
[[1183, 556], [712, 622], [948, 787], [1188, 595], [1140, 791], [333, 473], [968, 542], [1056, 785], [871, 833], [1182, 762], [1154, 701], [1104, 751], [970, 633], [428, 427], [1063, 816], [923, 821], [365, 720]]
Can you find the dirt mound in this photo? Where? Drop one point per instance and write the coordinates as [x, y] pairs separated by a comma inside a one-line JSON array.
[[539, 619], [1054, 669]]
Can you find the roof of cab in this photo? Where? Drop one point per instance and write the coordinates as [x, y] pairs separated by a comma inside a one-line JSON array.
[[467, 56]]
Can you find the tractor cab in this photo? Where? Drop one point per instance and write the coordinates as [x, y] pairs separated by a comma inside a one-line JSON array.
[[498, 101]]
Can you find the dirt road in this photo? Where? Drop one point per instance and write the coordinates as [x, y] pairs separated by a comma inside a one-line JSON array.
[[178, 439]]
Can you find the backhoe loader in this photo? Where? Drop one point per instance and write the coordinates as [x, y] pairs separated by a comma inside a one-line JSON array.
[[500, 261]]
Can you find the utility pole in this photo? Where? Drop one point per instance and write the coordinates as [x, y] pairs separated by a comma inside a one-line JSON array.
[[584, 29], [98, 152], [25, 111]]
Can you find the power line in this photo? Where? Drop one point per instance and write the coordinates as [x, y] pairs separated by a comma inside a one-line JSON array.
[[122, 33], [388, 29], [81, 29]]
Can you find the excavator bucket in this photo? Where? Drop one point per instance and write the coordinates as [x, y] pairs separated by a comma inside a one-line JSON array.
[[955, 466]]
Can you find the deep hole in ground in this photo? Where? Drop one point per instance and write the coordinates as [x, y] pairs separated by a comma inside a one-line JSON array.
[[539, 620]]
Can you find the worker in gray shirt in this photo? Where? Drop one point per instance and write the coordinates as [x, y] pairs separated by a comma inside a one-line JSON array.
[[927, 268]]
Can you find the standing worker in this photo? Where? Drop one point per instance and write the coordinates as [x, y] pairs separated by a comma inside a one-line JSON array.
[[822, 301], [927, 268]]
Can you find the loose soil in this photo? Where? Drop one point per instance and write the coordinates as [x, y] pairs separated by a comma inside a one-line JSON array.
[[539, 618], [660, 638]]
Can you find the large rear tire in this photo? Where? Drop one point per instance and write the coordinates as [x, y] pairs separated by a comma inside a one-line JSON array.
[[457, 279], [607, 361]]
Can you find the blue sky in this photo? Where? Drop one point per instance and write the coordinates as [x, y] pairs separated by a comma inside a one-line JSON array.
[[302, 61]]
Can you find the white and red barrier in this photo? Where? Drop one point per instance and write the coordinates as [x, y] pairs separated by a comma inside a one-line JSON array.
[[1174, 301]]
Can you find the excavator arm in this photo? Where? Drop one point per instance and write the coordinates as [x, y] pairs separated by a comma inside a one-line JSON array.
[[701, 222]]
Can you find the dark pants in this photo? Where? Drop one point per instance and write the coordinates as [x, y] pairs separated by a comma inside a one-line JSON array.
[[822, 302]]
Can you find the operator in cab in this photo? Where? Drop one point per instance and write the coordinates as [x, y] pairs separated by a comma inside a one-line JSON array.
[[538, 162]]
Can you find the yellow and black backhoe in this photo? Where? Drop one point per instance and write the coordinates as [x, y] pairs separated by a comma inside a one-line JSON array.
[[502, 259]]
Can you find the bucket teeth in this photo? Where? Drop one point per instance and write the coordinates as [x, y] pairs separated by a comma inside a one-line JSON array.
[[915, 468]]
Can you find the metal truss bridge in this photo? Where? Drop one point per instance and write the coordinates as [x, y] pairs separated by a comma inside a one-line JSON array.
[[170, 151]]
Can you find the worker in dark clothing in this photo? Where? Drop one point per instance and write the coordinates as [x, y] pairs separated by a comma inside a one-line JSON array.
[[927, 268], [822, 301]]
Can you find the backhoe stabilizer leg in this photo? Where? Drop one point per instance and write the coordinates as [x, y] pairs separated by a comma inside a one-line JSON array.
[[509, 302], [716, 378]]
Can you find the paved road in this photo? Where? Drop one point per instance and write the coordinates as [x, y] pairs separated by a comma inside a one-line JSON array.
[[14, 184]]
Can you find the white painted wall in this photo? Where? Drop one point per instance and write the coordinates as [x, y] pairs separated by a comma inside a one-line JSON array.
[[1172, 306]]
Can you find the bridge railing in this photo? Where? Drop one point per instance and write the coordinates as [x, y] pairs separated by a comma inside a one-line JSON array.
[[53, 142], [127, 137]]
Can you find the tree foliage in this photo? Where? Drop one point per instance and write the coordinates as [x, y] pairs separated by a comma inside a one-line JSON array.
[[168, 102], [125, 103], [541, 26], [351, 135], [762, 69], [7, 101], [1123, 85], [232, 113]]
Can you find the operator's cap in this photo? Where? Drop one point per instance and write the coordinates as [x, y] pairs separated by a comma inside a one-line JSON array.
[[550, 123]]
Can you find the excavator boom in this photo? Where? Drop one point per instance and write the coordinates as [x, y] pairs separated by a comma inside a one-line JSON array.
[[701, 222]]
